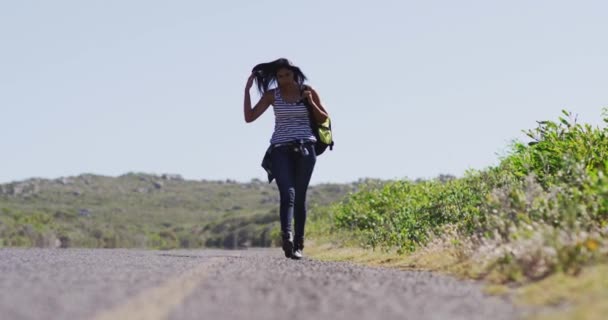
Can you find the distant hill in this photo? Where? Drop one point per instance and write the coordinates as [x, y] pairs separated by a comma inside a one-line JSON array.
[[147, 211]]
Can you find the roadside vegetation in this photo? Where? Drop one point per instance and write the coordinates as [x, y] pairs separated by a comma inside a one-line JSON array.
[[537, 218]]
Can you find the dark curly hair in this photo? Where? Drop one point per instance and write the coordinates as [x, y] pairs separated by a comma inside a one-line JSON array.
[[266, 73]]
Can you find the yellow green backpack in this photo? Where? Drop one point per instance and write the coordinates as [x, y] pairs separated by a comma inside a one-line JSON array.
[[322, 131]]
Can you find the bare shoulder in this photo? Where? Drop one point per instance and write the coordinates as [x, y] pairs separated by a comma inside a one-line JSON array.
[[310, 88]]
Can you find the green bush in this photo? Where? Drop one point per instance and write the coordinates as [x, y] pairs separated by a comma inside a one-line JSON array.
[[557, 148], [555, 182]]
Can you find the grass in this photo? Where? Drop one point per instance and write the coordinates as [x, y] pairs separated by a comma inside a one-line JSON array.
[[559, 296], [584, 296]]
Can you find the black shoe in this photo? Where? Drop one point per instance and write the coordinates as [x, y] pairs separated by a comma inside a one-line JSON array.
[[298, 248], [288, 244]]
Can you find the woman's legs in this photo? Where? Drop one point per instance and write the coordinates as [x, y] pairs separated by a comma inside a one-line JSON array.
[[292, 171]]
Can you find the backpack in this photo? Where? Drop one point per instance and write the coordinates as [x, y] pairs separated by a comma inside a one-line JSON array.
[[322, 131]]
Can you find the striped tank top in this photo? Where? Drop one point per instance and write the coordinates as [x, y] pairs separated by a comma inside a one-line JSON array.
[[291, 121]]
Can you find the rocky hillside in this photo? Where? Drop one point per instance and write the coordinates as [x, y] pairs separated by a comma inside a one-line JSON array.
[[144, 210]]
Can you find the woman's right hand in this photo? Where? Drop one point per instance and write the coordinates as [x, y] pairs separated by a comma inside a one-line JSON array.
[[249, 82]]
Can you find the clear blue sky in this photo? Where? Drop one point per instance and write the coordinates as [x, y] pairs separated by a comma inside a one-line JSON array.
[[415, 88]]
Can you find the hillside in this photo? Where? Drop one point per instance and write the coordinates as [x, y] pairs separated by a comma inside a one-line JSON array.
[[145, 211]]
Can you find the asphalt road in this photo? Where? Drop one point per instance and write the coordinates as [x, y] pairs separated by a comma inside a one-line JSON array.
[[213, 284]]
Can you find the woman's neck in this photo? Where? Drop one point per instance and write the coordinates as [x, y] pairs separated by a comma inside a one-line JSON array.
[[289, 87]]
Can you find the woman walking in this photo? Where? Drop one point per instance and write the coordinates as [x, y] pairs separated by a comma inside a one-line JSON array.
[[291, 152]]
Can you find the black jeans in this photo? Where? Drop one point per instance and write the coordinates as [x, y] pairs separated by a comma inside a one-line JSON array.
[[292, 169]]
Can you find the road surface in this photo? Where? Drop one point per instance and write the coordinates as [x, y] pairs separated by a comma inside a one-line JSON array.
[[213, 284]]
